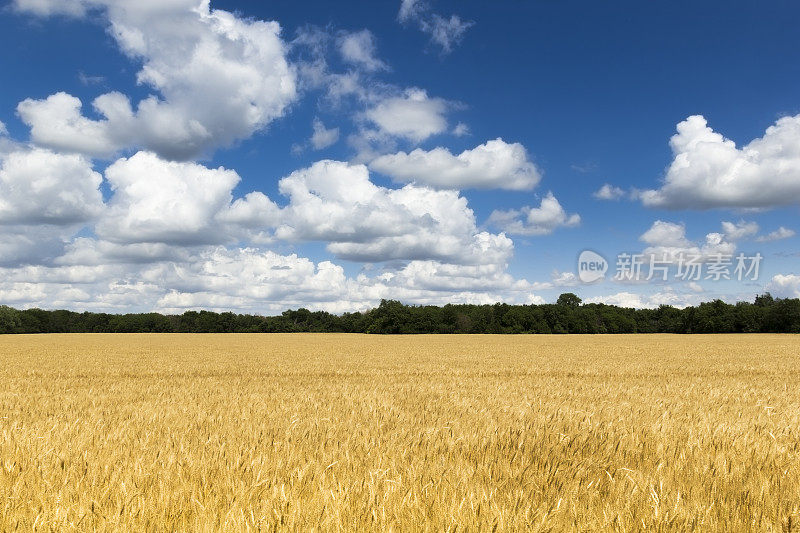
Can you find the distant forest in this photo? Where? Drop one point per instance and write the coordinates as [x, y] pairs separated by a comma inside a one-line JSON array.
[[567, 315]]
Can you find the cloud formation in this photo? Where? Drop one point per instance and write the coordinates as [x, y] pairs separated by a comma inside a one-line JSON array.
[[323, 137], [777, 235], [359, 49], [709, 171], [609, 192], [492, 165], [163, 201], [413, 115], [38, 186], [667, 241], [646, 301], [443, 31], [336, 202], [785, 286], [217, 78], [542, 220]]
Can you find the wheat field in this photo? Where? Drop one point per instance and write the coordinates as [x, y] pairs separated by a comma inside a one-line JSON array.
[[325, 432]]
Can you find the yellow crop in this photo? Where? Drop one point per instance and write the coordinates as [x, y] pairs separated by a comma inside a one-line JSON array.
[[356, 433]]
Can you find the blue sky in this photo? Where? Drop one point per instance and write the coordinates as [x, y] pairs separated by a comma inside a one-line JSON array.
[[459, 152]]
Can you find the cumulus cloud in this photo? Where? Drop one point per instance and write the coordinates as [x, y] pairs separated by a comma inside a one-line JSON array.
[[777, 235], [252, 280], [336, 202], [739, 230], [157, 243], [358, 48], [41, 187], [230, 278], [542, 220], [172, 236], [413, 115], [86, 251], [444, 32], [668, 241], [26, 245], [57, 122], [785, 286], [322, 136], [385, 115], [646, 301], [609, 192], [158, 201], [492, 165], [218, 78], [709, 171], [44, 199], [3, 129], [564, 279], [158, 207]]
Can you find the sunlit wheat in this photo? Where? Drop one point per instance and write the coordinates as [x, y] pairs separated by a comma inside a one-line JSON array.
[[349, 432]]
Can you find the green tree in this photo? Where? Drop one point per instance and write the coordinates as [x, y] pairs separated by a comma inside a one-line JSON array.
[[9, 320], [569, 299]]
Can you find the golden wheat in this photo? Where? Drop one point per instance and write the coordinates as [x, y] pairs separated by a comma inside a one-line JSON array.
[[354, 433]]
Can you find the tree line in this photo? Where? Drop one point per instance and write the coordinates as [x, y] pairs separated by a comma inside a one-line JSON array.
[[568, 315]]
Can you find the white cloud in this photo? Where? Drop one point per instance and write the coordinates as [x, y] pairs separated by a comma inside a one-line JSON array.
[[255, 211], [24, 245], [740, 230], [461, 129], [709, 171], [542, 220], [86, 251], [87, 80], [322, 136], [168, 202], [57, 122], [446, 32], [413, 115], [358, 48], [785, 286], [609, 192], [645, 301], [251, 280], [310, 50], [443, 31], [694, 286], [336, 202], [409, 9], [41, 187], [152, 253], [170, 236], [385, 115], [777, 235], [44, 199], [564, 279], [666, 235], [494, 164], [222, 278], [3, 129], [218, 78], [668, 241], [241, 279], [441, 277], [46, 8]]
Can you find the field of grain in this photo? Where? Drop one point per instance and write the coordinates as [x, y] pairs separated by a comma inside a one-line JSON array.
[[349, 432]]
